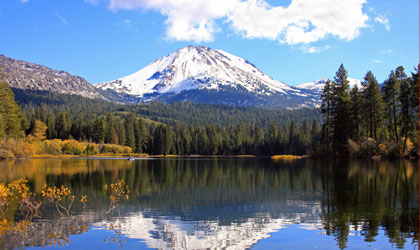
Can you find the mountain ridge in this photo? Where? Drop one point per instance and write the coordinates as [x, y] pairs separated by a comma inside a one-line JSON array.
[[31, 76], [195, 73]]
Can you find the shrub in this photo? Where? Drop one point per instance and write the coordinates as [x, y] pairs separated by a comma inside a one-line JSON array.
[[52, 147], [90, 150], [115, 149], [71, 147]]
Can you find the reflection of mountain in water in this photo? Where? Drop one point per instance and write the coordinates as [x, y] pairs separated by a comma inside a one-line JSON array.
[[175, 233]]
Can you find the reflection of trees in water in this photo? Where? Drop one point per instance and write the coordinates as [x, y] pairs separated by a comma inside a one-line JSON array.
[[363, 196], [54, 232]]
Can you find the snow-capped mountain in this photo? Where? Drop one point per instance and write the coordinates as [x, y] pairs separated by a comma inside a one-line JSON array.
[[202, 74]]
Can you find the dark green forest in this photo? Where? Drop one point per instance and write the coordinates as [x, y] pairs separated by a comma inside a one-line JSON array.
[[375, 119]]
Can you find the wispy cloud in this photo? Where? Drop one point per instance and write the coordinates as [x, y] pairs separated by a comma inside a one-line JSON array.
[[302, 22], [311, 50], [377, 61], [61, 18], [385, 51], [23, 1], [128, 23], [92, 1], [383, 20]]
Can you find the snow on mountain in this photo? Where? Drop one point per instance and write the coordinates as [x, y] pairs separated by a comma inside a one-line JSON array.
[[201, 74], [198, 68], [317, 86]]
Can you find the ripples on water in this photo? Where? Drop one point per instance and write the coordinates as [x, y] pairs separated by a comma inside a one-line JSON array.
[[222, 203]]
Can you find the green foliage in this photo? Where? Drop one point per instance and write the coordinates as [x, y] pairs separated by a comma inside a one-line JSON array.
[[90, 150], [364, 122], [11, 118], [71, 147], [373, 105]]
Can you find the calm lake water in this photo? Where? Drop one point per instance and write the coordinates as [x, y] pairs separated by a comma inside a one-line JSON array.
[[224, 204]]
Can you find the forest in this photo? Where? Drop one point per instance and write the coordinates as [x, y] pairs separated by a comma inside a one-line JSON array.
[[376, 119]]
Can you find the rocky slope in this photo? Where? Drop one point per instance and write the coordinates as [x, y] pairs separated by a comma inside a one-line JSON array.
[[24, 75]]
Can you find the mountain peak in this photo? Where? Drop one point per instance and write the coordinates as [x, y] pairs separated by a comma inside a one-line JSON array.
[[196, 67]]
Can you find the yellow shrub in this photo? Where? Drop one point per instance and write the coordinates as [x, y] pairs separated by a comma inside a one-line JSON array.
[[408, 147]]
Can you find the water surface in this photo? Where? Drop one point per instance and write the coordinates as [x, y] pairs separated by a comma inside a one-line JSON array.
[[224, 203]]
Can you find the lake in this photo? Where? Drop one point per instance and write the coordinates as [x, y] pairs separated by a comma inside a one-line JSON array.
[[223, 203]]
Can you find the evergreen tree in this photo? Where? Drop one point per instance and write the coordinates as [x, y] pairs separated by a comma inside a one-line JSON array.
[[141, 137], [390, 95], [327, 99], [168, 140], [129, 124], [315, 134], [11, 117], [340, 111], [202, 140], [415, 90], [373, 106], [110, 134], [121, 132], [404, 98], [99, 130], [63, 125], [272, 140], [213, 140], [356, 112], [51, 132]]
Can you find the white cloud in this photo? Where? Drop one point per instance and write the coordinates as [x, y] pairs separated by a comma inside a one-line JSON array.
[[303, 21], [311, 50], [383, 20], [23, 1], [377, 61], [61, 18]]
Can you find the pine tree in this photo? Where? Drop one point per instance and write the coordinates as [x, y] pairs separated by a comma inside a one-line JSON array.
[[99, 130], [121, 132], [129, 123], [315, 134], [168, 140], [111, 133], [327, 98], [11, 117], [63, 125], [213, 140], [356, 111], [51, 132], [404, 98], [272, 139], [341, 117], [141, 137], [373, 105], [390, 90]]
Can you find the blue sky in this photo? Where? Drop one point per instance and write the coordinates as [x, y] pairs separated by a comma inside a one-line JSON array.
[[293, 41]]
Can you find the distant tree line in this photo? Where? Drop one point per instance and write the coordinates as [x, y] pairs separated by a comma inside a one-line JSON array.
[[146, 136]]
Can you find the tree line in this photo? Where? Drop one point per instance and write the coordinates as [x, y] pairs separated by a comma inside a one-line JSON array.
[[147, 136], [372, 118]]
